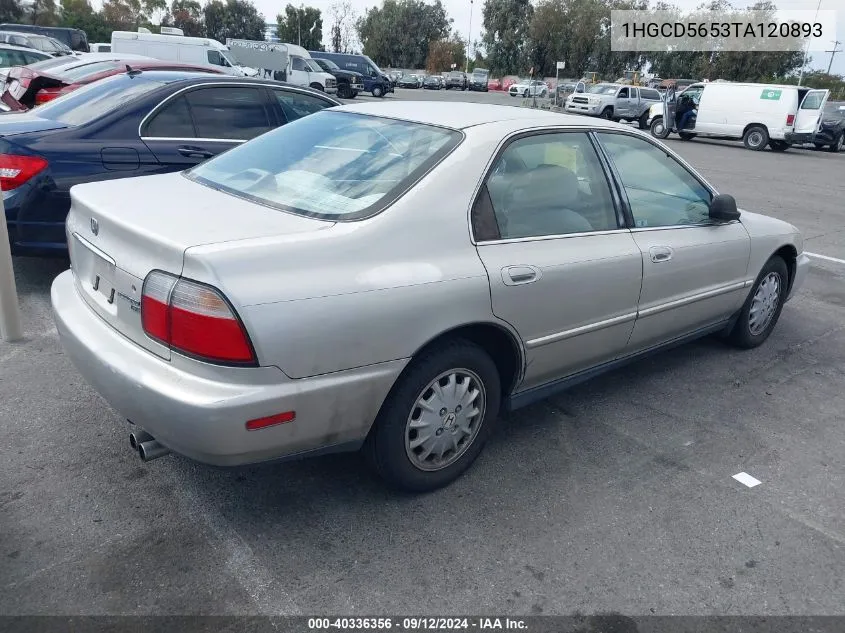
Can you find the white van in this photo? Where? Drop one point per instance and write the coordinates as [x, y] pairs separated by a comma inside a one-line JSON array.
[[759, 114], [179, 48], [283, 62]]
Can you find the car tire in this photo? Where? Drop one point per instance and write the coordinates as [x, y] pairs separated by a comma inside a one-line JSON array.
[[354, 94], [642, 122], [378, 92], [836, 146], [818, 145], [389, 447], [658, 130], [317, 86], [607, 114], [778, 146], [756, 138], [762, 308], [525, 95], [686, 136], [344, 91]]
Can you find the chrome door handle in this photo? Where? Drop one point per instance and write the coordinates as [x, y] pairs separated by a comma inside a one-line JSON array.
[[518, 275], [660, 254]]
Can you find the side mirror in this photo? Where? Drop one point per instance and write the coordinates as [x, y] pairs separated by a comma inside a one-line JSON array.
[[723, 208]]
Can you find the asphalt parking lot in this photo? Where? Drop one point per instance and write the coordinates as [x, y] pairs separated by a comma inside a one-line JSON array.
[[615, 497]]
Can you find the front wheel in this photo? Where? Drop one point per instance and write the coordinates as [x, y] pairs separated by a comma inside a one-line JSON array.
[[317, 86], [762, 308], [686, 136], [837, 145], [378, 92], [642, 122], [344, 91], [658, 130], [607, 114], [437, 418]]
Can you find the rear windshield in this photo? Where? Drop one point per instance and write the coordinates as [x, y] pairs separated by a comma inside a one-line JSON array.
[[75, 73], [603, 89], [89, 102], [330, 165], [52, 62]]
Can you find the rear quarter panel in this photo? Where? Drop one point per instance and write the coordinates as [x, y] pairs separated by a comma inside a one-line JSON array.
[[361, 292]]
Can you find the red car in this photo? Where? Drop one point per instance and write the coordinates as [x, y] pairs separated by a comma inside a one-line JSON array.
[[26, 88]]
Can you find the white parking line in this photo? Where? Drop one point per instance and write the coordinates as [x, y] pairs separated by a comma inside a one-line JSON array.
[[746, 479], [825, 257]]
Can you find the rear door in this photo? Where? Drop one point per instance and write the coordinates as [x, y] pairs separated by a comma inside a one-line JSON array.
[[197, 124], [809, 117]]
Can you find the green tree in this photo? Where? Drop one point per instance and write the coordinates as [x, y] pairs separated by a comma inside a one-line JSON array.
[[506, 29], [128, 15], [186, 15], [302, 26], [398, 33], [238, 19], [79, 14], [443, 53], [44, 13], [10, 11]]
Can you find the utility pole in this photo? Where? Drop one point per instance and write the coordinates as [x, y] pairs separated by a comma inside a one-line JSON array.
[[469, 37], [833, 52], [299, 25]]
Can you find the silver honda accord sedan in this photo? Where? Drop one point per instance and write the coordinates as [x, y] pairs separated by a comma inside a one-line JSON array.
[[390, 276]]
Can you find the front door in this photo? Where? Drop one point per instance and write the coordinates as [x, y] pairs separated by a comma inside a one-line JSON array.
[[196, 125], [298, 71], [695, 271], [562, 271], [809, 117]]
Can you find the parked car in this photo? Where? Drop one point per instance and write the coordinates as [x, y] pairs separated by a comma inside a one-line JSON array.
[[410, 81], [494, 84], [179, 283], [33, 88], [41, 43], [831, 134], [349, 82], [93, 134], [101, 47], [457, 79], [11, 55], [529, 88], [614, 101], [75, 39], [479, 80], [376, 82], [760, 115], [434, 82]]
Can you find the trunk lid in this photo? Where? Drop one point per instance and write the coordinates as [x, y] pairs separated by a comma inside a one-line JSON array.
[[12, 123], [21, 86], [120, 230]]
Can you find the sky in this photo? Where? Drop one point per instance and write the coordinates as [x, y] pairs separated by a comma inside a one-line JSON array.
[[467, 15]]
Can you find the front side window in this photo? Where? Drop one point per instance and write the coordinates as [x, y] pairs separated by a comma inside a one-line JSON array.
[[623, 94], [296, 105], [214, 57], [331, 165], [231, 112], [550, 184], [298, 63], [661, 192]]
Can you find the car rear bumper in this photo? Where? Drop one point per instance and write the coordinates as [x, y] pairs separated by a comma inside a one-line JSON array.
[[802, 267], [792, 137], [200, 411]]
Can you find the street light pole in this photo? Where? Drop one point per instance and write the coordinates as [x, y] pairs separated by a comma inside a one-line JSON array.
[[469, 37], [807, 47]]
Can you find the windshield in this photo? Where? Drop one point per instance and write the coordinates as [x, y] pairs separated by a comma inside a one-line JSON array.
[[89, 102], [313, 66], [602, 89], [327, 63], [230, 57], [480, 72], [372, 64], [330, 165]]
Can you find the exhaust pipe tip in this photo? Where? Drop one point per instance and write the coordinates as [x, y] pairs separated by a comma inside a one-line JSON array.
[[151, 450], [136, 438]]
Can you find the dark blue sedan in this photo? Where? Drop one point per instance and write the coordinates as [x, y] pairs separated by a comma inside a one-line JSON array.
[[134, 124]]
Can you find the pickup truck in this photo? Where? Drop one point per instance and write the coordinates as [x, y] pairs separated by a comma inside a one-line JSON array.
[[617, 102]]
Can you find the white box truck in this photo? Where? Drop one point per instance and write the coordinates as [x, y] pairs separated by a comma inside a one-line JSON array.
[[179, 48], [283, 62], [759, 114]]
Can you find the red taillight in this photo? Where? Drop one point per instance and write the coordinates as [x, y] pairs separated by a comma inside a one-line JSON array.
[[45, 95], [193, 318], [790, 119], [16, 170]]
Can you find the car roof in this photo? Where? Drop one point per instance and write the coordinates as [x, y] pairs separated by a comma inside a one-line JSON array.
[[26, 49], [463, 115], [171, 76]]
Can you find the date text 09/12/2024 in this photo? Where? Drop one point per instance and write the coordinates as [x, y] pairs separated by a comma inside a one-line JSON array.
[[416, 624]]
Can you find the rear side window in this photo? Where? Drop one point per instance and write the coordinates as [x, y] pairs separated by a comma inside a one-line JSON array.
[[232, 113], [172, 121], [296, 105], [813, 101], [650, 94]]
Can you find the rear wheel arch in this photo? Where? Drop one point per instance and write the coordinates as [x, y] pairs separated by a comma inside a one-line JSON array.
[[499, 342]]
